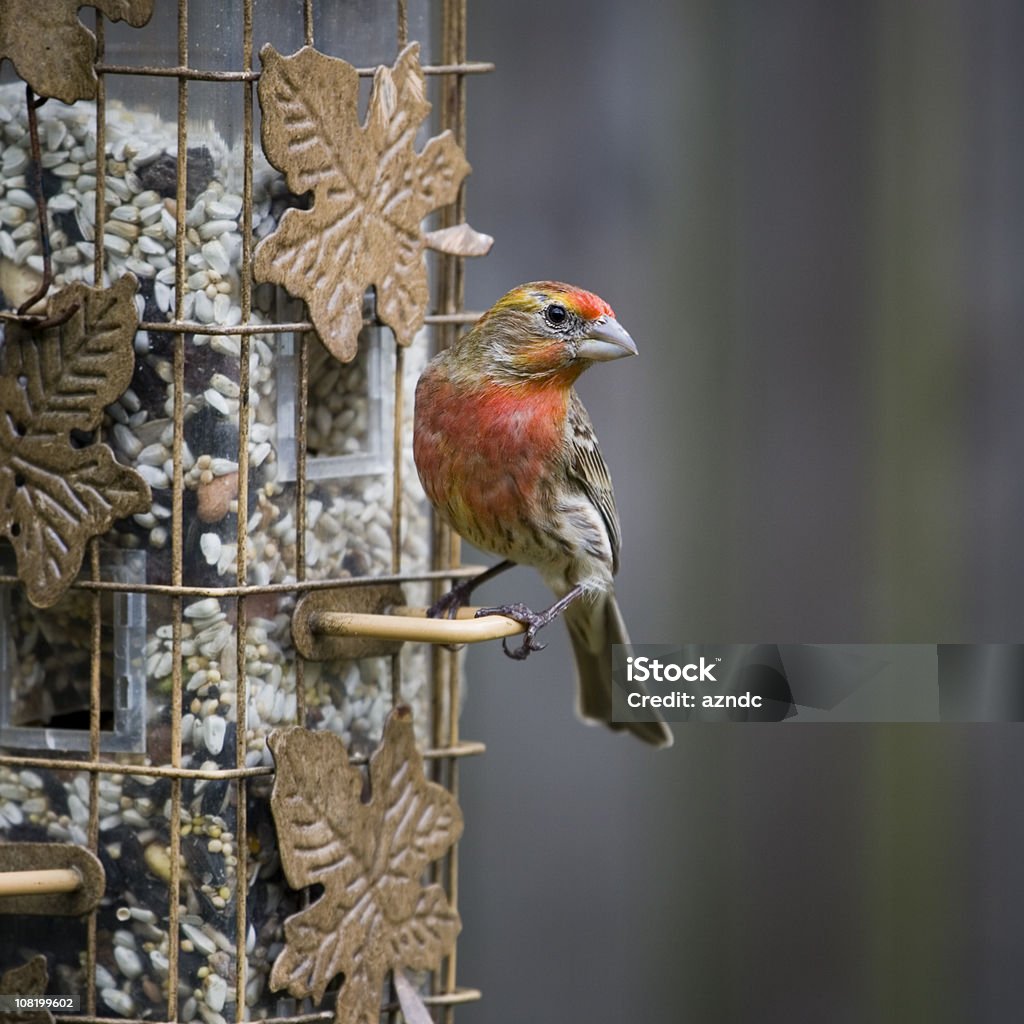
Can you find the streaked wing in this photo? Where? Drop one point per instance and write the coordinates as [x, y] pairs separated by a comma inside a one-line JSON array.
[[587, 468]]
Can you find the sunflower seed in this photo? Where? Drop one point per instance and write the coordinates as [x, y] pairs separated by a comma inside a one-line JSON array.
[[203, 609], [117, 243], [15, 160], [126, 213], [120, 1002], [211, 545], [216, 992], [128, 961], [150, 246], [19, 197], [123, 230]]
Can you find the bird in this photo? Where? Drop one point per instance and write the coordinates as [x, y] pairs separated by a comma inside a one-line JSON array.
[[508, 458]]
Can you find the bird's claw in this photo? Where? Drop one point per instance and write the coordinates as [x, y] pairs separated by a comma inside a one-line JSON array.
[[525, 617], [448, 604], [525, 649]]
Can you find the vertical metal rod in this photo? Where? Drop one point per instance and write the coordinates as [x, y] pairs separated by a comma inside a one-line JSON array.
[[441, 660], [241, 691], [403, 24], [247, 164], [457, 54], [33, 105], [95, 700], [241, 685], [180, 198], [301, 441], [307, 20], [99, 207], [396, 501], [396, 494], [396, 454], [177, 534], [95, 676], [445, 546], [302, 341]]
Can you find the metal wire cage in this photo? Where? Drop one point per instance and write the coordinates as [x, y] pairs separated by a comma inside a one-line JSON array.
[[134, 712]]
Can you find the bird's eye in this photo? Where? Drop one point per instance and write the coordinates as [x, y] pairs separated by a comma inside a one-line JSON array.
[[556, 314]]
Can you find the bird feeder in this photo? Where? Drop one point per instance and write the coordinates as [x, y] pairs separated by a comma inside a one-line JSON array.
[[215, 303]]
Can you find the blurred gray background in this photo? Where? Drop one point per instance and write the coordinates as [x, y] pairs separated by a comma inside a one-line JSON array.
[[810, 217]]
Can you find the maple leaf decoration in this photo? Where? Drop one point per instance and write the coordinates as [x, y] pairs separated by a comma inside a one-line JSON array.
[[375, 914], [52, 50], [30, 979], [55, 495], [371, 191]]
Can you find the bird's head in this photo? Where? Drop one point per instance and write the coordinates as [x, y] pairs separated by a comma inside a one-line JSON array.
[[546, 331]]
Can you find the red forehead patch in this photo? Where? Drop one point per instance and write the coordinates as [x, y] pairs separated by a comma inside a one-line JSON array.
[[588, 305]]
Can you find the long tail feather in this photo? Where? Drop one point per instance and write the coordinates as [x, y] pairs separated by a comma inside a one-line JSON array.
[[593, 627]]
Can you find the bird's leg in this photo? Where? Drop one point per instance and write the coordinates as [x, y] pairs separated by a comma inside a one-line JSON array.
[[532, 620], [448, 605]]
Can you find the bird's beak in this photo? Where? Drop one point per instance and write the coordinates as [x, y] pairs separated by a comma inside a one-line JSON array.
[[607, 339]]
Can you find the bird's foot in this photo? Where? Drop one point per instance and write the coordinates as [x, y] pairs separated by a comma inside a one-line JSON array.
[[533, 621], [447, 605]]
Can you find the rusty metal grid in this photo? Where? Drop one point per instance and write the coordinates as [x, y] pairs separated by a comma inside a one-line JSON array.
[[446, 747]]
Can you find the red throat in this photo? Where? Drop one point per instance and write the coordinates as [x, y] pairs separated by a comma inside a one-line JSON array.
[[486, 449]]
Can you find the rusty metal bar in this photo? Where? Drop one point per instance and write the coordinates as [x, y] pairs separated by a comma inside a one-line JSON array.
[[459, 997], [396, 467], [179, 71], [307, 21], [95, 698], [177, 528], [464, 748], [146, 771], [181, 326], [185, 73], [242, 613], [396, 496], [95, 654], [447, 665], [299, 587], [403, 24], [301, 454], [36, 177]]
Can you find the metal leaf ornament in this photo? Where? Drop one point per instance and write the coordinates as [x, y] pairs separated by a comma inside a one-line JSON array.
[[371, 190], [52, 50], [375, 913], [58, 487], [32, 978]]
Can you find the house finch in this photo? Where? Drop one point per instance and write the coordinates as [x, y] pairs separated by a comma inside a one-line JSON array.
[[507, 456]]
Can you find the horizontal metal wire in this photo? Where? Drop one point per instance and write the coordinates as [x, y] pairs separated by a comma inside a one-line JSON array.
[[457, 997], [472, 67], [246, 589], [146, 771], [462, 748], [296, 327]]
